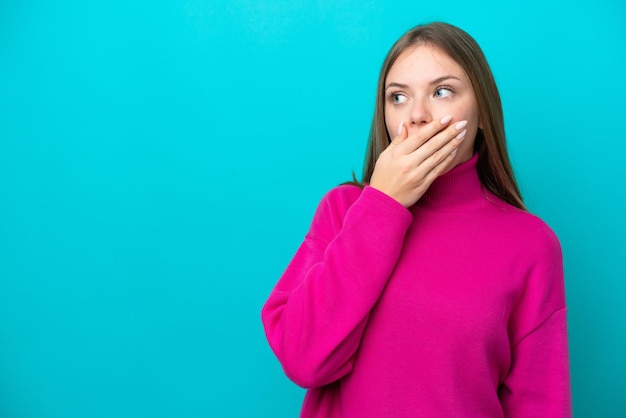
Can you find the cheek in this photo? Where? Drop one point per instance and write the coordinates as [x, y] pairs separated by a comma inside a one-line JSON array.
[[388, 124], [392, 121], [467, 112]]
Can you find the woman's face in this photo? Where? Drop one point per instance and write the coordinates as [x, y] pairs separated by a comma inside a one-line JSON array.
[[425, 84]]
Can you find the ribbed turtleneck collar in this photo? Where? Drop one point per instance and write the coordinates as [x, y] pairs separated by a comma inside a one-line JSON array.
[[457, 190]]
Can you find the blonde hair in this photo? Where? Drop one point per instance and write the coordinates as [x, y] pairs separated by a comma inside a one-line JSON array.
[[494, 168]]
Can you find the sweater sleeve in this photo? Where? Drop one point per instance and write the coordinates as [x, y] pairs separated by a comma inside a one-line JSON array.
[[316, 314], [538, 383]]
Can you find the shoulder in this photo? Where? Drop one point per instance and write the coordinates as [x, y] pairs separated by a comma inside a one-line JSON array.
[[342, 196], [335, 203], [362, 204], [529, 230], [331, 211]]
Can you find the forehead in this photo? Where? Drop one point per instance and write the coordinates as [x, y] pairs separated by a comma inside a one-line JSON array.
[[422, 64]]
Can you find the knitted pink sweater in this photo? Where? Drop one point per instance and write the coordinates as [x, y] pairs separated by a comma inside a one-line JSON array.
[[454, 307]]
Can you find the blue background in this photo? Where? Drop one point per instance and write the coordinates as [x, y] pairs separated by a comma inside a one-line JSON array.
[[160, 162]]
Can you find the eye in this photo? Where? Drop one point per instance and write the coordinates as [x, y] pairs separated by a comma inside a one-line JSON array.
[[397, 98], [444, 92]]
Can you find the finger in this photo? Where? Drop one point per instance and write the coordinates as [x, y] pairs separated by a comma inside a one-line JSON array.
[[424, 134], [402, 134], [440, 167], [430, 158], [453, 132]]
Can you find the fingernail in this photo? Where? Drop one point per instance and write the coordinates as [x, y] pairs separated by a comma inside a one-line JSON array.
[[460, 125], [454, 151], [461, 135], [400, 127], [446, 119]]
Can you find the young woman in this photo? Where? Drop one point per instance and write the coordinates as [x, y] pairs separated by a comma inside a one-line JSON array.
[[427, 290]]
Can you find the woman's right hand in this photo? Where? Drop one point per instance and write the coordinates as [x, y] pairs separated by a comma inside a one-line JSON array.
[[409, 165]]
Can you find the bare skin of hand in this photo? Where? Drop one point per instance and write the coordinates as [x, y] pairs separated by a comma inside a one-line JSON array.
[[409, 165]]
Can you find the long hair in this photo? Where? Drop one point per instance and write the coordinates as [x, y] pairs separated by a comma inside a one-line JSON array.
[[493, 166]]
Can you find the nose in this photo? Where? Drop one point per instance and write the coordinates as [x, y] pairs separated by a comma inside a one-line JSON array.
[[420, 113]]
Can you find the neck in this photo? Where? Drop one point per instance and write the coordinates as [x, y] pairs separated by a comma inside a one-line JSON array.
[[457, 190]]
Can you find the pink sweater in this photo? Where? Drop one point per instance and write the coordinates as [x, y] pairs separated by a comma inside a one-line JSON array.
[[454, 307]]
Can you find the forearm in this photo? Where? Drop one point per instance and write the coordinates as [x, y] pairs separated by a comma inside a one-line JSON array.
[[315, 316]]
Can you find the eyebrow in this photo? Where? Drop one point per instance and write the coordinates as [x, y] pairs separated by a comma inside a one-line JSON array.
[[435, 81]]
